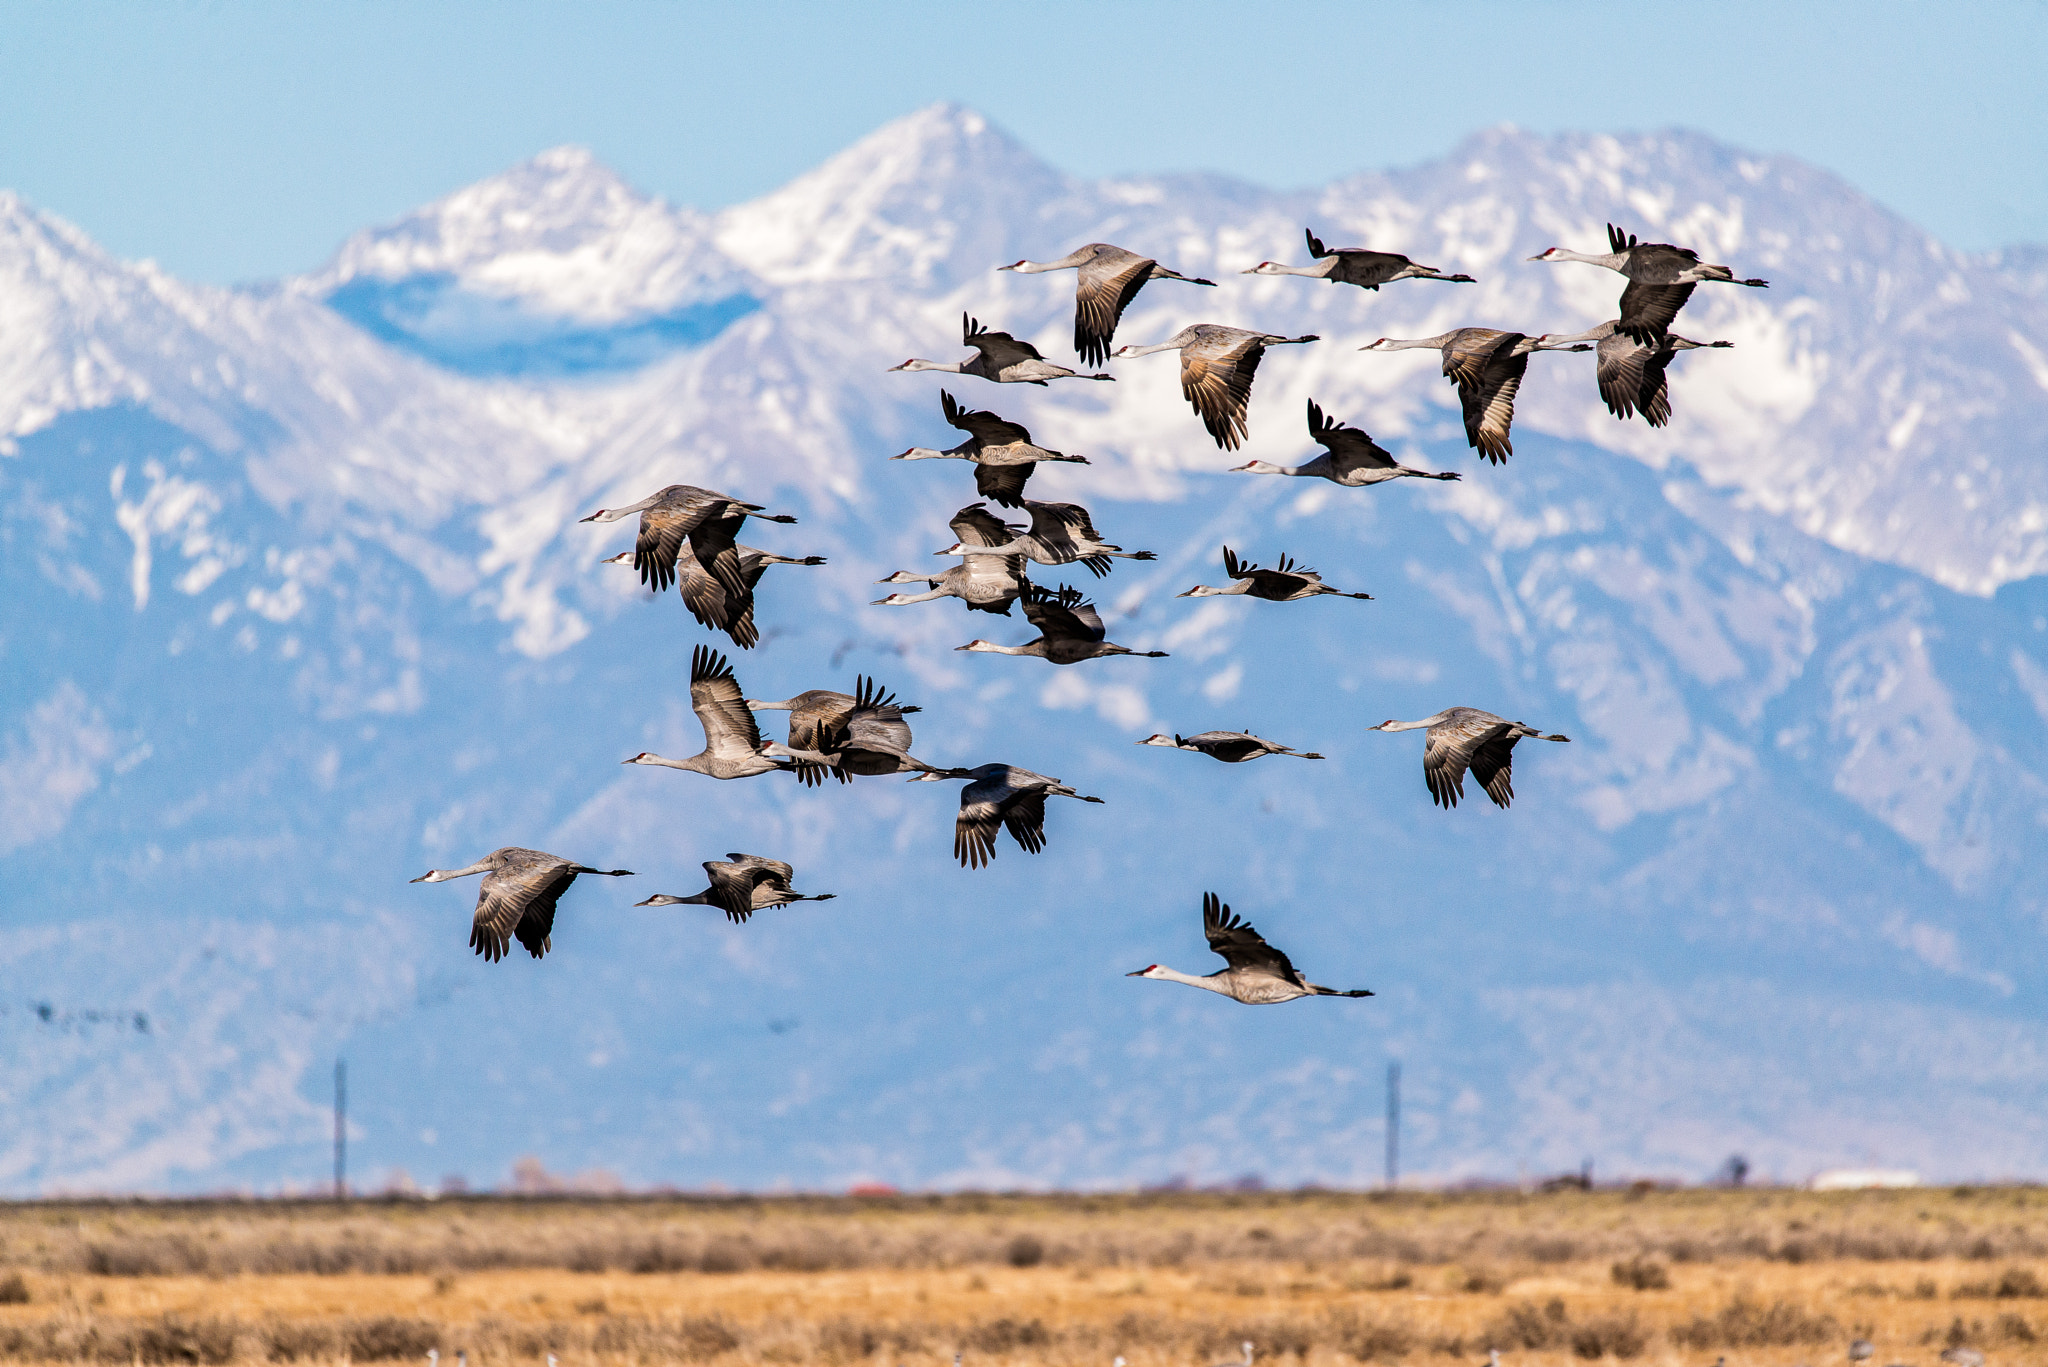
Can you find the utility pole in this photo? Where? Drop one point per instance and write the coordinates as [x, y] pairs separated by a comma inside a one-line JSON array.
[[341, 1129], [1393, 1125]]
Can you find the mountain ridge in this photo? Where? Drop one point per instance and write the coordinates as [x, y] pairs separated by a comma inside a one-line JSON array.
[[308, 610]]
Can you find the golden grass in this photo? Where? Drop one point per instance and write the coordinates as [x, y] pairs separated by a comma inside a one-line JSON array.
[[1316, 1279]]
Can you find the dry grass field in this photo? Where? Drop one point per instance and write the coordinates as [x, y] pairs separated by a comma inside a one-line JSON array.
[[1314, 1279]]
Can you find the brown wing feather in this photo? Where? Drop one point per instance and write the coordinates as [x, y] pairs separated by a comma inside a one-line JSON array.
[[1490, 405], [519, 900], [974, 830], [1621, 364], [1024, 815], [983, 426], [1449, 752], [1000, 347], [1240, 945], [1100, 300], [662, 531], [1647, 311], [720, 706], [1493, 767], [1219, 385], [1003, 483], [977, 526]]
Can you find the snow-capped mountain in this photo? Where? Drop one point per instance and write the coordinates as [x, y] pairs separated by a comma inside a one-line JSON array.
[[298, 605]]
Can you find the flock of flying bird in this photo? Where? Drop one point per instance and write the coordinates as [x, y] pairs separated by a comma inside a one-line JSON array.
[[687, 539]]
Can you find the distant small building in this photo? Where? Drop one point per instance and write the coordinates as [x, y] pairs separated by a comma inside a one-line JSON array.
[[1859, 1179]]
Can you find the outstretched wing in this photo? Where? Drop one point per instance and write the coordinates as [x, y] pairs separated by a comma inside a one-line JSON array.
[[1489, 405], [975, 525], [1064, 613], [662, 531], [1000, 347], [1349, 448], [1622, 368], [1069, 520], [1216, 377], [985, 427], [1450, 749], [1235, 568], [1024, 815], [1647, 311], [519, 900], [981, 816], [1493, 766], [1240, 945], [732, 888], [1003, 483], [729, 725], [1107, 286], [1470, 350]]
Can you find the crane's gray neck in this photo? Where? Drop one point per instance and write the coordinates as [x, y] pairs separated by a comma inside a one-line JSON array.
[[1148, 350], [614, 514], [1212, 982], [443, 875], [1408, 343], [1593, 334], [1065, 263], [1413, 725], [1612, 260], [927, 453]]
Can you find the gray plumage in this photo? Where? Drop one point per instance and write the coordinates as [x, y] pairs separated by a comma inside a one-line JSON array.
[[1257, 974], [732, 738], [747, 884], [1232, 747], [999, 797], [1660, 276], [1350, 457], [1487, 365], [1061, 534], [517, 898], [1630, 372], [859, 734], [999, 357], [1358, 266], [1070, 630], [713, 604], [705, 518], [1286, 583], [1461, 738], [1002, 451], [1217, 365], [1109, 279], [985, 583]]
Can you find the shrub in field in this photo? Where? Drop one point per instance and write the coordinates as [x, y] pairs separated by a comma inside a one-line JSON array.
[[1006, 1336], [13, 1289], [1743, 1324], [1025, 1251], [1525, 1325], [1641, 1274], [1373, 1340], [1620, 1336], [387, 1337]]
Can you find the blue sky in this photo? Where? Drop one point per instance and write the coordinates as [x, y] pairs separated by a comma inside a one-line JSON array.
[[235, 141]]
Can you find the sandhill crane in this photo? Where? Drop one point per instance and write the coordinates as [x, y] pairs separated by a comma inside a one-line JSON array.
[[1002, 452], [1110, 279], [518, 897], [1356, 266], [1960, 1356], [1000, 796], [746, 885], [1216, 369], [1284, 584], [732, 738], [860, 734], [1070, 630], [985, 583], [1465, 737], [1350, 457], [1232, 747], [1061, 534], [999, 357], [1487, 366], [710, 602], [1258, 974], [1631, 373], [706, 518], [1660, 279]]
